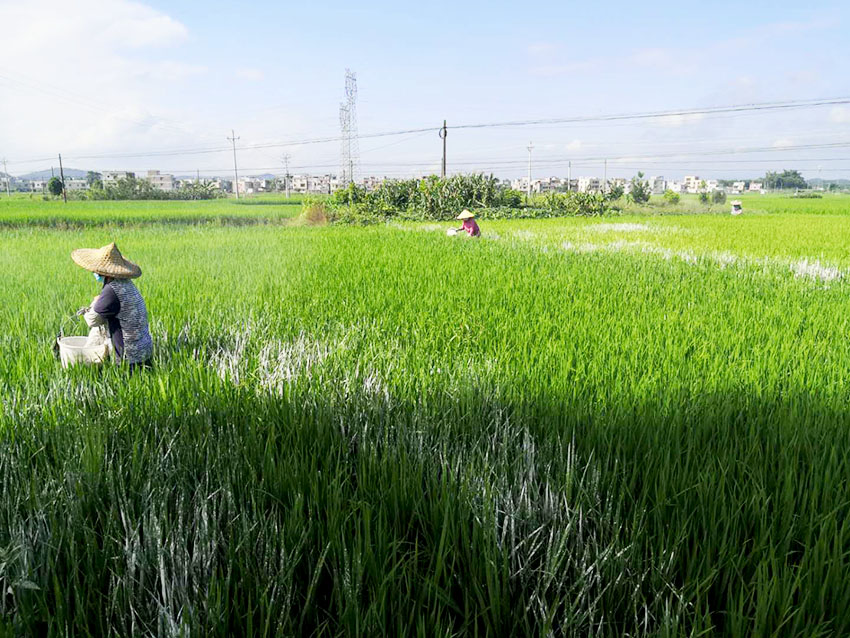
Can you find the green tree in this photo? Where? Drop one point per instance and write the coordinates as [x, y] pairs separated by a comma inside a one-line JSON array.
[[55, 186], [718, 197], [704, 198], [785, 179], [640, 189], [94, 179]]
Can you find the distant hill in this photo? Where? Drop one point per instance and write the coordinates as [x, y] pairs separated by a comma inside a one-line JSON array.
[[46, 174]]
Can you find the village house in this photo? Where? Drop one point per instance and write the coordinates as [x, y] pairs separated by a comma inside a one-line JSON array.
[[111, 177], [657, 184], [162, 181]]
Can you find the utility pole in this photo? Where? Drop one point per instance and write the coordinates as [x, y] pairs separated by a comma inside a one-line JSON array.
[[605, 178], [286, 157], [233, 139], [443, 133], [530, 147], [197, 175], [569, 175], [8, 179], [62, 177]]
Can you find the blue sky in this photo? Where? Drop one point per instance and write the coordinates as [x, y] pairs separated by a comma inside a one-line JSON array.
[[114, 78]]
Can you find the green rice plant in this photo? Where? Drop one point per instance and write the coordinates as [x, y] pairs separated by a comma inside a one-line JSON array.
[[560, 429]]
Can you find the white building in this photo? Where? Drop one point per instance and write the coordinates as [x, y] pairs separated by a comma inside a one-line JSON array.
[[225, 185], [111, 177], [691, 184], [737, 187], [36, 185], [756, 186], [76, 184], [589, 184], [372, 183], [657, 184], [676, 187], [162, 181]]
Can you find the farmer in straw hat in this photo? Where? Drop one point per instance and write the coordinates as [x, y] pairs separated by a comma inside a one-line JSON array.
[[736, 207], [469, 224], [119, 304]]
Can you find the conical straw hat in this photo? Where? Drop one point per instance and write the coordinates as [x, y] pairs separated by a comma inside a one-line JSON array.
[[466, 215], [106, 261]]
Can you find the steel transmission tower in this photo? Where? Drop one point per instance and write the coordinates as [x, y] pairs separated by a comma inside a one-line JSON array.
[[350, 152]]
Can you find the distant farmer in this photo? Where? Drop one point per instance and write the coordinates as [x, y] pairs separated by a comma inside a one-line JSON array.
[[736, 207], [119, 305], [469, 224]]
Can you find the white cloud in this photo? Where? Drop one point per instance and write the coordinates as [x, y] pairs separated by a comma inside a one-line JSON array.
[[115, 81], [250, 74]]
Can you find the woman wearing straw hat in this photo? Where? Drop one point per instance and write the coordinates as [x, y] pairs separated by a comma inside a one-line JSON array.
[[736, 207], [119, 305], [469, 224]]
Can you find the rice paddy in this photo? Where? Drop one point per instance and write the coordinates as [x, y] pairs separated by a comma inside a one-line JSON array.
[[634, 426]]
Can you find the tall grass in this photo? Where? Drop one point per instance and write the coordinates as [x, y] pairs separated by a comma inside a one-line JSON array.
[[383, 432]]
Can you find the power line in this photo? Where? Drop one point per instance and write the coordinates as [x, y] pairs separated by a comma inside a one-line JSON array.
[[736, 108], [740, 108]]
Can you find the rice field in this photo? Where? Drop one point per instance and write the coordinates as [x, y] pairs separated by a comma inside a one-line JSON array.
[[631, 426]]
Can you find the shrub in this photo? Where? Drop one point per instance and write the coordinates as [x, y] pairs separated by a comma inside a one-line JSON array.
[[615, 193], [671, 197], [577, 204], [704, 198], [432, 198]]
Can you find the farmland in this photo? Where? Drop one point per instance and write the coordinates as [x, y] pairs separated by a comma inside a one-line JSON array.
[[633, 425]]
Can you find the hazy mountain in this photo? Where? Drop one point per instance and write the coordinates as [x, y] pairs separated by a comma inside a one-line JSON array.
[[46, 174]]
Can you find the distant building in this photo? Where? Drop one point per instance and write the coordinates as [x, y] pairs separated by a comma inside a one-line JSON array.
[[737, 187], [657, 184], [589, 184], [225, 185], [76, 184], [756, 186], [35, 185], [691, 184], [676, 187], [162, 181], [111, 177], [372, 183]]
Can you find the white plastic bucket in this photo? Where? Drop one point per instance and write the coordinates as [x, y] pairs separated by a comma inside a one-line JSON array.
[[73, 350], [451, 232]]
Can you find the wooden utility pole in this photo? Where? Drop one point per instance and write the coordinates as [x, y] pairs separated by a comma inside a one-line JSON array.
[[443, 133], [233, 139], [62, 177], [530, 147]]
